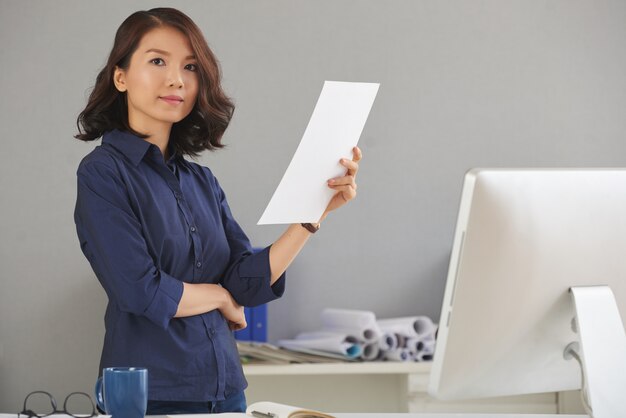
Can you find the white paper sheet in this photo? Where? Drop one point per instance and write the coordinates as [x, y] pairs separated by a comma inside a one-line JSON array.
[[333, 130]]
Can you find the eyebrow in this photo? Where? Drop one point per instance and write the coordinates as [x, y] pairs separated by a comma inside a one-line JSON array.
[[160, 51]]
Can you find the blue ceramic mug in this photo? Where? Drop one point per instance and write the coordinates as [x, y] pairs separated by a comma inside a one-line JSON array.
[[123, 392]]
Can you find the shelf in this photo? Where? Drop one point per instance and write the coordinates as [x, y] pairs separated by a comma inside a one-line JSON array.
[[373, 386], [374, 367]]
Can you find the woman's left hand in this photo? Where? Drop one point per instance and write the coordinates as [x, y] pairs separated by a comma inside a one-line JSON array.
[[346, 185]]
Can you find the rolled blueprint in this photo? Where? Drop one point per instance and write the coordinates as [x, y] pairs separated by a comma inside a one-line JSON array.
[[366, 335], [421, 348], [333, 344], [426, 354], [399, 354], [317, 335], [347, 318], [401, 338], [361, 324], [370, 352], [356, 334], [411, 326], [414, 344], [388, 341]]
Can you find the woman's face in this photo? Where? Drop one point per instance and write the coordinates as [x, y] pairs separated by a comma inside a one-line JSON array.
[[161, 81]]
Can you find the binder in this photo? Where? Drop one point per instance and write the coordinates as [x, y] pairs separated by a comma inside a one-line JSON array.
[[258, 324]]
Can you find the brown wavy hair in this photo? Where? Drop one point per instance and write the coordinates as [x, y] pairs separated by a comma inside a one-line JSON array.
[[107, 108]]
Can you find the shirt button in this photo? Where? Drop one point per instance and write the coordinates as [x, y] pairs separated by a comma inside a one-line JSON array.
[[193, 229], [212, 331], [198, 264]]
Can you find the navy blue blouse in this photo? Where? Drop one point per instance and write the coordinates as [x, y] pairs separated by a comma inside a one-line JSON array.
[[146, 226]]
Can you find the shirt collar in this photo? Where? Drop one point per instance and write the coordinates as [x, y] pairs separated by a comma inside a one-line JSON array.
[[132, 146]]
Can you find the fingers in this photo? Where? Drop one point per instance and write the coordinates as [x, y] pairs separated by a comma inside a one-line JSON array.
[[236, 326], [342, 181], [348, 192], [352, 165], [356, 154], [346, 185], [349, 178]]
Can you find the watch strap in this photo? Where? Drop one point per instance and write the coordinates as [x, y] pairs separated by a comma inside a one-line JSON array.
[[310, 227]]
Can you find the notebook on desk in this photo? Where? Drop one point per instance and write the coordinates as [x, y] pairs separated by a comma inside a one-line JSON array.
[[264, 410]]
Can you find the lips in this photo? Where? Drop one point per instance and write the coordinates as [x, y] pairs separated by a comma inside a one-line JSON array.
[[172, 99]]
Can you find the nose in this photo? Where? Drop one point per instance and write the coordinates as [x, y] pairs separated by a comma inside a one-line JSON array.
[[175, 79]]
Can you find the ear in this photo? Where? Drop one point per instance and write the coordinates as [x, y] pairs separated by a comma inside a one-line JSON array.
[[119, 79]]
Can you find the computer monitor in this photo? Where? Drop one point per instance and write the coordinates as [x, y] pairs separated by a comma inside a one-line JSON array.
[[523, 238]]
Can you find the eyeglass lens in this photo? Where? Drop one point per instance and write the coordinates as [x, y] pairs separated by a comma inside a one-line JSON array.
[[42, 404], [39, 404], [79, 404]]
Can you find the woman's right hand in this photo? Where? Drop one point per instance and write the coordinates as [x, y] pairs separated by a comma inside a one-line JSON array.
[[233, 312]]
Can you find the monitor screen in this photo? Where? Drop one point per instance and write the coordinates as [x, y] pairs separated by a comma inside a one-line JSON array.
[[523, 238]]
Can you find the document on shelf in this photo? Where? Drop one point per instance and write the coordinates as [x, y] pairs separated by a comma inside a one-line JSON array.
[[333, 130]]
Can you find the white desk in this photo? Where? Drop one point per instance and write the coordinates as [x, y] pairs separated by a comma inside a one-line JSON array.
[[349, 415], [459, 415], [364, 415], [376, 387]]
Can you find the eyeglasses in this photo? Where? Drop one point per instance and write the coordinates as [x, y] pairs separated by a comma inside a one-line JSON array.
[[76, 401]]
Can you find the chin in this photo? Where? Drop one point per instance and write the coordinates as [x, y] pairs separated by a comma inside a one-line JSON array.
[[173, 119], [176, 118]]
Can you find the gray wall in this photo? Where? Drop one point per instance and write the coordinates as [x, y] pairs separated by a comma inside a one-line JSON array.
[[463, 84]]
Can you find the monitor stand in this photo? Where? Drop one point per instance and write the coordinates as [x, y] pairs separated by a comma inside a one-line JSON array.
[[601, 351]]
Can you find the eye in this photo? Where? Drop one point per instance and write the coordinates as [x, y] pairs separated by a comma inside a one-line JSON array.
[[192, 67], [157, 61]]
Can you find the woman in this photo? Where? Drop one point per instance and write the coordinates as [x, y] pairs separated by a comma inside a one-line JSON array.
[[157, 229]]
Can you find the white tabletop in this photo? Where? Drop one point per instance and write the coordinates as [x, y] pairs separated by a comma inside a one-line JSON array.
[[416, 415], [400, 415], [456, 415]]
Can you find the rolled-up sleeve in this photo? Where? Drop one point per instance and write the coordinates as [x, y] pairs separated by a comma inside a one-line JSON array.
[[249, 274], [248, 280], [111, 238]]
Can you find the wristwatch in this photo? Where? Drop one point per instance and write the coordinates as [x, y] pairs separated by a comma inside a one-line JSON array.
[[312, 228]]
